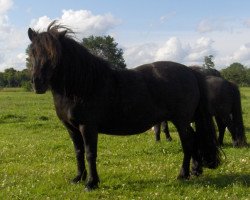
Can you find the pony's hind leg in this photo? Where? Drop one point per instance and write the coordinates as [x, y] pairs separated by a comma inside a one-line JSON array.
[[157, 130], [232, 129], [187, 141], [79, 150], [221, 128], [196, 157], [166, 130]]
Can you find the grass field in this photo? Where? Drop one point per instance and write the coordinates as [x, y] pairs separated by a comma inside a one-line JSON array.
[[37, 159]]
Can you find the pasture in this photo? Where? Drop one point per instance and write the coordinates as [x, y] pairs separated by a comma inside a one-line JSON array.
[[37, 159]]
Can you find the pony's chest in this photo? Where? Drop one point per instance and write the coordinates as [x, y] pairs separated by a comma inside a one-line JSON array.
[[63, 111], [71, 112]]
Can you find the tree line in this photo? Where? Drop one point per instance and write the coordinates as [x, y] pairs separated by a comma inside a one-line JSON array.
[[14, 78], [107, 48]]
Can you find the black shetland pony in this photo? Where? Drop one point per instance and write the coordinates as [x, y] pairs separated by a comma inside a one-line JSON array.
[[164, 125], [92, 97], [225, 106]]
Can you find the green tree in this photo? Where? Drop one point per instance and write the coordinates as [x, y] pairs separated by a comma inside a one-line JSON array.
[[13, 78], [236, 72], [208, 62], [248, 76], [2, 80], [106, 48], [10, 77]]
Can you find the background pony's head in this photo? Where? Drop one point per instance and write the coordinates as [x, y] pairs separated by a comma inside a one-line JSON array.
[[45, 54]]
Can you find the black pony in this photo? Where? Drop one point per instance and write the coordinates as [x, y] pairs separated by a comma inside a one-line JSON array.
[[225, 101], [225, 105], [164, 124], [92, 97]]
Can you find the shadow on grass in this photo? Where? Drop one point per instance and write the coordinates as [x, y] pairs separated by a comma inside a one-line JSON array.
[[230, 145], [12, 118], [221, 181]]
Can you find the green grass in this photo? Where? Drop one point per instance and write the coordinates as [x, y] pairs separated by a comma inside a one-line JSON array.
[[37, 159]]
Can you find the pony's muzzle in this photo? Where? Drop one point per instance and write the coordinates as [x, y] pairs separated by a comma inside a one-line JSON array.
[[39, 86]]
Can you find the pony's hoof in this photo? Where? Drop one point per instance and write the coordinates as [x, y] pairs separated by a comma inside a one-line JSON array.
[[169, 139], [90, 186], [183, 177], [196, 172], [79, 178], [239, 144]]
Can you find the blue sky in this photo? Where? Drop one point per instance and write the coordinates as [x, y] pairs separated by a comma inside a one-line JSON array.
[[147, 30]]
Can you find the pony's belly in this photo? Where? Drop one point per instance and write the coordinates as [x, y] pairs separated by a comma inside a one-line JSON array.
[[131, 124], [124, 129]]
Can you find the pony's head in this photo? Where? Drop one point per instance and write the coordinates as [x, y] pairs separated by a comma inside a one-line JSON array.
[[45, 54]]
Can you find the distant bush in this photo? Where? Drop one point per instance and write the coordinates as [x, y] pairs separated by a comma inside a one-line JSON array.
[[27, 86], [237, 73]]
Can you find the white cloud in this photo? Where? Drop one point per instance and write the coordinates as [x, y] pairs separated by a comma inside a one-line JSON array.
[[12, 42], [197, 52], [83, 22], [17, 60], [87, 23], [247, 23], [216, 24], [40, 24], [242, 55], [11, 39], [173, 50], [139, 54], [205, 26], [5, 5]]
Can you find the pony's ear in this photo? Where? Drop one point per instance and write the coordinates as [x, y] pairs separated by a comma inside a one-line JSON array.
[[32, 34]]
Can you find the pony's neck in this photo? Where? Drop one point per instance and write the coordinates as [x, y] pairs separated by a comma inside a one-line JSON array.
[[79, 73]]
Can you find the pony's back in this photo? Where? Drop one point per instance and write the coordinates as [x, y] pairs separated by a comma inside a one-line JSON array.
[[206, 72]]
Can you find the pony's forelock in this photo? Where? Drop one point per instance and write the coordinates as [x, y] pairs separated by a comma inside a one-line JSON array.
[[59, 30], [48, 41]]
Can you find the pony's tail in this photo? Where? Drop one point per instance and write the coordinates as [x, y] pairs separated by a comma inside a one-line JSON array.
[[206, 139], [240, 137]]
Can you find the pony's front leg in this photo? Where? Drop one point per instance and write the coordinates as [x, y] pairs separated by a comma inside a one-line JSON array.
[[90, 136], [77, 139]]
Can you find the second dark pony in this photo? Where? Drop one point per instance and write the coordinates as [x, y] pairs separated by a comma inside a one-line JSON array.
[[225, 105], [92, 97]]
